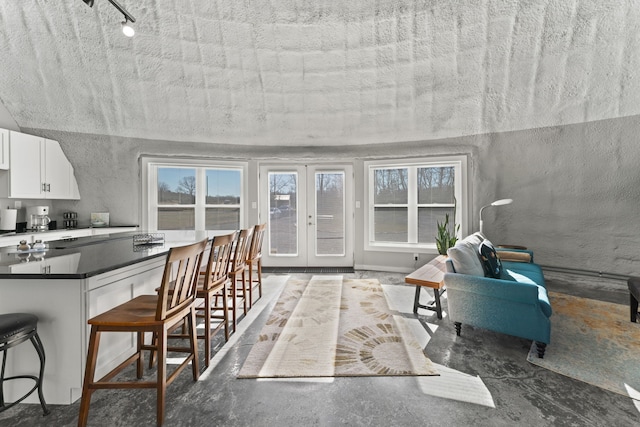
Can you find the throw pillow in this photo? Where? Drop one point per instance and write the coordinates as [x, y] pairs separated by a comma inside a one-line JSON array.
[[490, 261], [466, 259]]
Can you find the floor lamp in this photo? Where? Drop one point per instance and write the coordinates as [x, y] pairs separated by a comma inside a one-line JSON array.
[[496, 203]]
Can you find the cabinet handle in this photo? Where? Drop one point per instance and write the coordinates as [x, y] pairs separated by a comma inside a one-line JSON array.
[[44, 187], [49, 188]]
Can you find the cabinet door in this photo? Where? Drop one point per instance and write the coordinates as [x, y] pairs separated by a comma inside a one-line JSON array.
[[26, 160], [4, 149], [57, 172]]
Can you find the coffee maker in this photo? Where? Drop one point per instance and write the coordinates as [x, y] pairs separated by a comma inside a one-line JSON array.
[[38, 217]]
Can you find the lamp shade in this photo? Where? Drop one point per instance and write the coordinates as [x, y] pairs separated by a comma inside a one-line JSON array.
[[500, 202]]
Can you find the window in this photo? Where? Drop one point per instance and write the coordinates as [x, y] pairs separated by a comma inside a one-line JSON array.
[[406, 200], [194, 195]]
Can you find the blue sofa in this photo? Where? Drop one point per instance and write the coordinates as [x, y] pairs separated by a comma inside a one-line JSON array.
[[516, 303]]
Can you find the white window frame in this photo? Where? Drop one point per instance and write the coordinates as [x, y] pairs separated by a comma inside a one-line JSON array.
[[461, 191], [149, 167]]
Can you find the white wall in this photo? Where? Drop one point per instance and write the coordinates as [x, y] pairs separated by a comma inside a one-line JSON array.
[[576, 187], [6, 119]]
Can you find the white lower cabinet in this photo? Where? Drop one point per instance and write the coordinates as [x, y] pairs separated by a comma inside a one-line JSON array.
[[63, 308]]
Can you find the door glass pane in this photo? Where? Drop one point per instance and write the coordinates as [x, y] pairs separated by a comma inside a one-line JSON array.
[[176, 186], [436, 185], [176, 218], [427, 223], [330, 213], [283, 231], [390, 224]]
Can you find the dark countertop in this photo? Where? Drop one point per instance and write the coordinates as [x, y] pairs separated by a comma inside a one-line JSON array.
[[78, 258]]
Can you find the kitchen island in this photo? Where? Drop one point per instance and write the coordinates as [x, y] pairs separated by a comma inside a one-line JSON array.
[[67, 284]]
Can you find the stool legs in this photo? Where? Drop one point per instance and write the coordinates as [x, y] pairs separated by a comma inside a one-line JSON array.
[[633, 304], [89, 375], [37, 344]]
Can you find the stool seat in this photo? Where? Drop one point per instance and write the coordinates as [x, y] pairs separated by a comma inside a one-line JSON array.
[[634, 296], [16, 328]]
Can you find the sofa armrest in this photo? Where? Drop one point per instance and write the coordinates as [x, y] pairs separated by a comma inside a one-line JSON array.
[[525, 293], [513, 254]]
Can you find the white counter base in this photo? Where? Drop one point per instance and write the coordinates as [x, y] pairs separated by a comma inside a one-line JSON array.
[[63, 308]]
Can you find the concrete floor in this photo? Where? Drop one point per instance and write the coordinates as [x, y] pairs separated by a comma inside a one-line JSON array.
[[501, 388]]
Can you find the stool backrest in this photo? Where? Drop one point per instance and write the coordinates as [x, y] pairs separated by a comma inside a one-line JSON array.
[[255, 251], [242, 247], [217, 270], [180, 279]]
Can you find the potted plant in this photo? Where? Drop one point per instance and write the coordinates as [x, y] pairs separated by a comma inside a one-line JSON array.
[[447, 237]]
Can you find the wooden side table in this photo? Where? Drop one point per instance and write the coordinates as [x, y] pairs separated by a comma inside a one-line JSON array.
[[430, 275]]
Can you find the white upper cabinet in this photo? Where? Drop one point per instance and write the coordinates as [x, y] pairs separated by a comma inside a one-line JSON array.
[[25, 166], [57, 170], [4, 149], [38, 169]]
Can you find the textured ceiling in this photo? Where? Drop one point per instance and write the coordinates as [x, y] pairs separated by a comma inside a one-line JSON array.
[[308, 72]]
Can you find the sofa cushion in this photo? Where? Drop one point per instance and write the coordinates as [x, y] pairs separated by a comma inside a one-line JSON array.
[[475, 239], [490, 261], [465, 258]]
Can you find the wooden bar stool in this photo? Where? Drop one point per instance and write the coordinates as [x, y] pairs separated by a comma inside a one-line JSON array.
[[254, 258], [237, 274], [16, 328], [212, 287], [157, 314]]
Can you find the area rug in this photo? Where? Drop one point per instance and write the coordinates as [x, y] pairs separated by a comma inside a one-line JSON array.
[[330, 327], [593, 341]]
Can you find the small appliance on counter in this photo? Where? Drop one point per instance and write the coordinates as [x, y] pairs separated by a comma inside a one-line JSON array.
[[38, 217], [70, 219], [8, 220]]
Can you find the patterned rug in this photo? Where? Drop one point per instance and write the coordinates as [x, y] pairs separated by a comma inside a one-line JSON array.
[[330, 327], [593, 341]]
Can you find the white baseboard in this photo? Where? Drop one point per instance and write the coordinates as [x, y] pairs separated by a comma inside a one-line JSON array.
[[386, 268]]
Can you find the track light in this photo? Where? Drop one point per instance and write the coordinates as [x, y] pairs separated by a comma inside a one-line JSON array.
[[127, 29]]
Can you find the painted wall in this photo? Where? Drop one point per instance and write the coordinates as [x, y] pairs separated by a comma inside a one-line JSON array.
[[576, 187], [6, 119]]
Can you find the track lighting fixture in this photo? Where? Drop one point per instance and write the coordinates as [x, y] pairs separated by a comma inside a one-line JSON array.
[[127, 29]]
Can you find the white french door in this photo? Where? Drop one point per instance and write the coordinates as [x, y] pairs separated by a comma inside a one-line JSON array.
[[309, 212]]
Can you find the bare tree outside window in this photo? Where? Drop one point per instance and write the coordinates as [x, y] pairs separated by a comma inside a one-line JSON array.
[[187, 185], [164, 191]]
